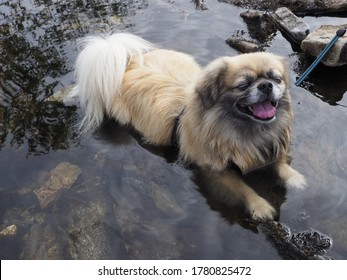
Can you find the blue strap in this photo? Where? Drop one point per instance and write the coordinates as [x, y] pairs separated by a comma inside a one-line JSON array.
[[339, 33]]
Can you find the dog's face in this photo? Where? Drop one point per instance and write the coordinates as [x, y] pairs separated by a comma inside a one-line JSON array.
[[251, 88]]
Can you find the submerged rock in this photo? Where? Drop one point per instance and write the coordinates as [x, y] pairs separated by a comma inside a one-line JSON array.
[[149, 237], [9, 231], [41, 242], [63, 96], [319, 39], [164, 200], [293, 26], [60, 178], [89, 234]]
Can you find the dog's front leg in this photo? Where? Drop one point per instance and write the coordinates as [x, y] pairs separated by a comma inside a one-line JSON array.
[[291, 177], [229, 186]]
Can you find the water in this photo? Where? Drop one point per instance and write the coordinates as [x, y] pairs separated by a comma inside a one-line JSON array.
[[133, 200]]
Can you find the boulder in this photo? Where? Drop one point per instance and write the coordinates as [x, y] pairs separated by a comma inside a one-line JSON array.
[[319, 39], [299, 7], [291, 25]]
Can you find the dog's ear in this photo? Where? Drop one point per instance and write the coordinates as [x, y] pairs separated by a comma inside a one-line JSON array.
[[210, 85]]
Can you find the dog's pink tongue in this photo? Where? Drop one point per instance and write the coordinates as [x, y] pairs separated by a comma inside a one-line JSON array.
[[264, 110]]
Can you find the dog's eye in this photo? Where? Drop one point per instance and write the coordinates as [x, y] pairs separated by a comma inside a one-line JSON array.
[[274, 75], [243, 86], [277, 79]]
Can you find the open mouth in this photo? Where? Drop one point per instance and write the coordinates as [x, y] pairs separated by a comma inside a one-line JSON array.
[[264, 111]]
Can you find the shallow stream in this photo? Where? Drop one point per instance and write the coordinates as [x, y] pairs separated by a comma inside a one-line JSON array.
[[131, 200]]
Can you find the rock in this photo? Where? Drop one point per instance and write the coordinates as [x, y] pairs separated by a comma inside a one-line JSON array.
[[319, 39], [164, 200], [292, 25], [61, 177], [90, 235], [306, 245], [317, 7], [336, 225], [299, 7], [9, 231], [63, 96], [200, 4], [261, 25], [42, 243], [149, 238], [242, 45]]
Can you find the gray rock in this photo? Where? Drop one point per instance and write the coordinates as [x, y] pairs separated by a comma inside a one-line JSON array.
[[200, 4], [90, 235], [293, 26], [41, 242], [336, 225], [317, 41], [299, 7], [305, 245], [261, 25], [149, 237], [242, 45], [164, 200]]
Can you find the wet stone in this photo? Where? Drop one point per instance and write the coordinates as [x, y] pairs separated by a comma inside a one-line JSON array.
[[9, 231], [200, 4], [41, 243], [337, 228], [60, 178], [242, 45], [149, 237], [293, 26], [90, 235], [261, 25], [315, 7], [63, 96], [164, 200], [306, 245], [319, 39]]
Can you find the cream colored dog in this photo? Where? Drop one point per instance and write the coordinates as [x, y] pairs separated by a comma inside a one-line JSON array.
[[235, 110]]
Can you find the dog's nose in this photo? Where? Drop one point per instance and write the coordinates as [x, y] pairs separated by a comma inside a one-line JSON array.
[[265, 87]]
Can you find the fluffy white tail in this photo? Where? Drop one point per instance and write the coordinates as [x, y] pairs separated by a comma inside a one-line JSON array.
[[100, 67]]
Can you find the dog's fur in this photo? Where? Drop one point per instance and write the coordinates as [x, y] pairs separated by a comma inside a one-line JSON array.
[[235, 110]]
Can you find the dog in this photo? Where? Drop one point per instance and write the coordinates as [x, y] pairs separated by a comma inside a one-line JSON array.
[[236, 111]]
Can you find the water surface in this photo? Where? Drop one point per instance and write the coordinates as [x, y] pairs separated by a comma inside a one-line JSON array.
[[132, 200]]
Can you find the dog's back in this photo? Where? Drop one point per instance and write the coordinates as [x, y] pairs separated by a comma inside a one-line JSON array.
[[126, 78], [100, 68]]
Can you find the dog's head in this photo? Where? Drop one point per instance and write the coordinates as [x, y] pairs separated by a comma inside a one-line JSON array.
[[250, 87]]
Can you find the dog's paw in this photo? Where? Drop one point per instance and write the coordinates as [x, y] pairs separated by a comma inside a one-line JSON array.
[[296, 181], [260, 209]]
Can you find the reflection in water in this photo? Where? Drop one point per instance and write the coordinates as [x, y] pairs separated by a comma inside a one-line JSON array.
[[34, 58], [130, 192], [327, 83]]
